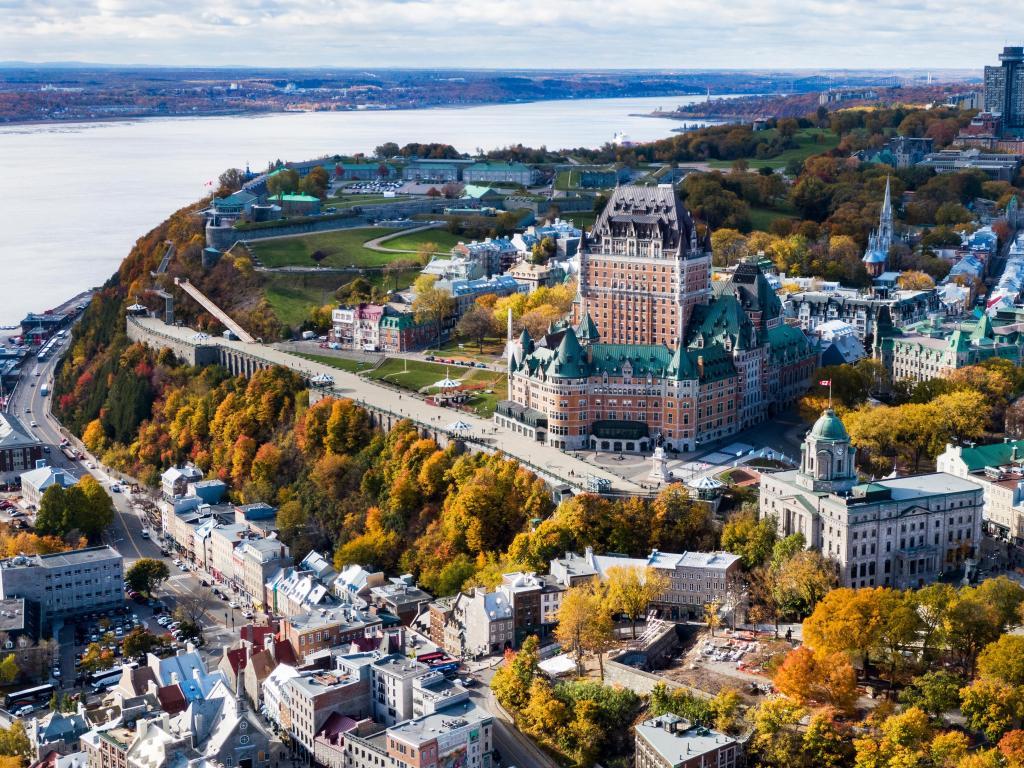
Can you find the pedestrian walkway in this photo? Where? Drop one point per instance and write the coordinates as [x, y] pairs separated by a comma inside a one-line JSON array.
[[540, 457]]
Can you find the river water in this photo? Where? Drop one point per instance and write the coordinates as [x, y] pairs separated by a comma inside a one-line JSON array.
[[78, 195]]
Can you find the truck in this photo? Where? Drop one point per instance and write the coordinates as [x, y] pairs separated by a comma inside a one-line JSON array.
[[71, 453], [308, 335], [44, 390]]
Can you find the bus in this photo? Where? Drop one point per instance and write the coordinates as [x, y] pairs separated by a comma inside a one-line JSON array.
[[29, 697], [105, 678]]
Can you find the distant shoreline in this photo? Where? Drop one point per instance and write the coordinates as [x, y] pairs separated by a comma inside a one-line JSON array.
[[4, 123]]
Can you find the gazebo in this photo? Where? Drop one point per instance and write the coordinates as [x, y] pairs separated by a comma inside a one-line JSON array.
[[707, 487]]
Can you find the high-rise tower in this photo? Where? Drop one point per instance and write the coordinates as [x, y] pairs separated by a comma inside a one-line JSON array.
[[644, 268], [1004, 89]]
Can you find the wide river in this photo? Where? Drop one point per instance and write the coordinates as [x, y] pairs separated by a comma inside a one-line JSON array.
[[79, 195]]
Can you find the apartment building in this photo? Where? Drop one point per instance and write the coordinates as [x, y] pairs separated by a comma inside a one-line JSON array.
[[308, 633], [695, 578], [392, 679], [669, 741], [65, 584], [313, 697]]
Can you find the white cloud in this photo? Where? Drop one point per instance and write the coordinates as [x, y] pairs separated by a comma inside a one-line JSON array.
[[503, 33]]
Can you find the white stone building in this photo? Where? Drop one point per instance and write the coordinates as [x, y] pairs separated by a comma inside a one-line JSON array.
[[902, 532]]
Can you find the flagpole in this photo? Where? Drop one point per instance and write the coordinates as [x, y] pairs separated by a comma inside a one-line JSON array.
[[830, 393]]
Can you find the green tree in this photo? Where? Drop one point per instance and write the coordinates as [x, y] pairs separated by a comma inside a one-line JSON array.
[[146, 574], [934, 692], [752, 539]]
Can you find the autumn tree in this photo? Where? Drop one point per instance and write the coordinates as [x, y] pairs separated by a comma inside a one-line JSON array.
[[514, 678], [584, 624], [752, 539], [728, 247], [476, 324], [992, 707], [1003, 660], [809, 680], [431, 305], [631, 591], [9, 670]]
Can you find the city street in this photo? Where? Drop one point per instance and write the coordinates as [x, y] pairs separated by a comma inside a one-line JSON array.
[[220, 623]]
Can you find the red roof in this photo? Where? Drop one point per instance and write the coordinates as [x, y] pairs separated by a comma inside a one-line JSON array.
[[335, 725], [237, 658], [255, 634], [172, 699], [284, 653]]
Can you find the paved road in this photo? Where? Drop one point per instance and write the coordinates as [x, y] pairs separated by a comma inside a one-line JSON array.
[[125, 534], [515, 747]]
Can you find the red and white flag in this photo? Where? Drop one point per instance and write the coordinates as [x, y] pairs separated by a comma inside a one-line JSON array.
[[825, 382]]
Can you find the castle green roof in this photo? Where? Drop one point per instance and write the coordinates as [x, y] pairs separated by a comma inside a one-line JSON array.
[[994, 455]]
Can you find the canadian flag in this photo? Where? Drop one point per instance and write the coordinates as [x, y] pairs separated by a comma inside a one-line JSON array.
[[825, 382]]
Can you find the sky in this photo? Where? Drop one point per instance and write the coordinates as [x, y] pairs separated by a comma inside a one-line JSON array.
[[507, 34]]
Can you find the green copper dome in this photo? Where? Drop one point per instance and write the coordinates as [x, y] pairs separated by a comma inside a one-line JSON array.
[[829, 427]]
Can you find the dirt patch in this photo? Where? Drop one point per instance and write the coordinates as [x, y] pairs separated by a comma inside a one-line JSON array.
[[735, 661]]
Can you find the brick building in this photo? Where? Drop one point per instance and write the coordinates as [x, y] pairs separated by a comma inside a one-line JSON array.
[[658, 353]]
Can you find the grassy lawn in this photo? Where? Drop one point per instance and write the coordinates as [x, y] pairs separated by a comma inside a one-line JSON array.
[[341, 363], [442, 238], [492, 348], [484, 403], [582, 219], [344, 248], [807, 145], [351, 201], [563, 180], [762, 218], [291, 306], [292, 296], [411, 374]]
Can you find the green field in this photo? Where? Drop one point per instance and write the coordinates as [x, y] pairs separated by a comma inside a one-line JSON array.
[[582, 219], [807, 145], [341, 363], [442, 238], [344, 248], [292, 296], [483, 403], [412, 374], [762, 218]]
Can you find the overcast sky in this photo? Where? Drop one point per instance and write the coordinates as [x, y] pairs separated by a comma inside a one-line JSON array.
[[584, 34]]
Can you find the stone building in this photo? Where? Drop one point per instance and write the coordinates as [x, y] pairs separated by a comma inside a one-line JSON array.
[[999, 469], [902, 532]]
